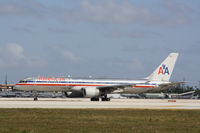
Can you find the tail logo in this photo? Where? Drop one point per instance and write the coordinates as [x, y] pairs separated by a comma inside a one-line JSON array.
[[163, 70]]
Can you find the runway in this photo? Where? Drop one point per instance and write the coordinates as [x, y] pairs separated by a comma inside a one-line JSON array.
[[86, 103]]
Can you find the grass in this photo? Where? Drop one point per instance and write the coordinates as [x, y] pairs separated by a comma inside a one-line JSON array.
[[98, 121]]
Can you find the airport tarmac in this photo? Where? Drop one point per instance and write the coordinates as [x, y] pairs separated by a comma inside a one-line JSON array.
[[84, 103]]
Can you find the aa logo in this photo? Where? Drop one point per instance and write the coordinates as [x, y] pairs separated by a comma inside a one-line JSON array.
[[163, 70]]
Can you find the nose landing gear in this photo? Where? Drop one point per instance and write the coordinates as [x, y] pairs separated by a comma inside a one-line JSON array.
[[35, 96]]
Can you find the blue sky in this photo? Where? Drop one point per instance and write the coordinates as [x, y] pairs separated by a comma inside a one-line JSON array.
[[107, 38]]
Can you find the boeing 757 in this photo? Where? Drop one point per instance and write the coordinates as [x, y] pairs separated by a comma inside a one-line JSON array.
[[96, 88]]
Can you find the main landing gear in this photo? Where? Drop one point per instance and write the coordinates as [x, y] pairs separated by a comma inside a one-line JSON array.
[[94, 99], [103, 98]]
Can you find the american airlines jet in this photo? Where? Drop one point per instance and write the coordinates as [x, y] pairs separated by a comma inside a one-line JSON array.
[[99, 88]]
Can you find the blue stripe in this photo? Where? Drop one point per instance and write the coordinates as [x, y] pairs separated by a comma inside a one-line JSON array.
[[82, 82]]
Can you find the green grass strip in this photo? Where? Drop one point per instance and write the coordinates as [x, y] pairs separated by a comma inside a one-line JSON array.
[[99, 121]]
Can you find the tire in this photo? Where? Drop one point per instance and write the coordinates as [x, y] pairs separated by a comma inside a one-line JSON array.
[[35, 98], [105, 99], [94, 99]]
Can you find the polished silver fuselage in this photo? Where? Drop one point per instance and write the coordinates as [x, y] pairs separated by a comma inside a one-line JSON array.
[[76, 84]]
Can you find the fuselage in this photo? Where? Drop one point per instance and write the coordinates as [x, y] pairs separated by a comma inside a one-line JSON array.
[[75, 84]]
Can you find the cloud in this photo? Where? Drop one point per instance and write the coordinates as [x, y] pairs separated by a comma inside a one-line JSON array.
[[15, 51], [113, 12], [180, 11], [192, 49], [66, 54], [22, 29], [136, 64], [125, 12], [23, 8], [116, 34], [59, 30], [102, 12], [14, 54]]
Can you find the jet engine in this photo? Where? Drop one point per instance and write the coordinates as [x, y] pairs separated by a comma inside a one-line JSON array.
[[90, 92], [74, 94]]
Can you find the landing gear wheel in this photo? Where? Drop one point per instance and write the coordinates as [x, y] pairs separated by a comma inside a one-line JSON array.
[[35, 98], [105, 99], [94, 99]]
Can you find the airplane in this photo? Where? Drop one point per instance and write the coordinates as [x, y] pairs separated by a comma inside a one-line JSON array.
[[96, 88]]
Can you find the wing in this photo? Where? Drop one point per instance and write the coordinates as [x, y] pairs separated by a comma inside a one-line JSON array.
[[116, 88]]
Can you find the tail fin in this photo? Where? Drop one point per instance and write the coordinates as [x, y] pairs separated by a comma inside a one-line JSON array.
[[165, 69]]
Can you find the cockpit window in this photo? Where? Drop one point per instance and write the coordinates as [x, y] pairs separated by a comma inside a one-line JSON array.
[[22, 81]]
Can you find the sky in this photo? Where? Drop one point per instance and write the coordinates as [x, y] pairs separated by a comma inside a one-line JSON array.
[[98, 38]]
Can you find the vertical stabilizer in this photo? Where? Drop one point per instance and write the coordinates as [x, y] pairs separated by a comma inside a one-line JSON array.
[[164, 71]]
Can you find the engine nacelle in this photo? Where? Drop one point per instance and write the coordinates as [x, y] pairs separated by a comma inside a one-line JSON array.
[[90, 92], [74, 94]]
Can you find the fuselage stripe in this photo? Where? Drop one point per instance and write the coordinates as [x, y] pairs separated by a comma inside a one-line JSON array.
[[139, 86]]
